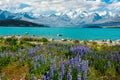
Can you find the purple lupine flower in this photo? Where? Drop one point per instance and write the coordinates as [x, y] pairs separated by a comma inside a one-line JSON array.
[[54, 61], [72, 61], [62, 68], [33, 77], [49, 56], [79, 68], [50, 45], [37, 48], [70, 70], [43, 59], [84, 65], [47, 75], [76, 61], [30, 53], [106, 56], [35, 59], [79, 77], [118, 58], [109, 65], [79, 49], [60, 76], [69, 77], [12, 55], [43, 77], [51, 72], [61, 65], [111, 56], [19, 50], [48, 78], [85, 75]]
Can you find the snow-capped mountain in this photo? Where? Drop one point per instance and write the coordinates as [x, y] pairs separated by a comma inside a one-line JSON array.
[[69, 18], [6, 15], [19, 16]]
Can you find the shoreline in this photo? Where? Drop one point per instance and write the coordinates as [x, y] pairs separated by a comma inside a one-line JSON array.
[[98, 42]]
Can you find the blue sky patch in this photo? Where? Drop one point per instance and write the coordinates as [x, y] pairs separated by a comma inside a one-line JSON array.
[[23, 6]]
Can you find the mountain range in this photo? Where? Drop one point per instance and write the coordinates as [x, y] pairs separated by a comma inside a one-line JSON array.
[[66, 19], [19, 23]]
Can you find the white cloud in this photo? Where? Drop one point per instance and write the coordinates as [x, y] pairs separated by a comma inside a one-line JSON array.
[[115, 5], [102, 13], [57, 5]]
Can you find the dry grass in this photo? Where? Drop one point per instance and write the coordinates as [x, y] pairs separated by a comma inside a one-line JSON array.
[[13, 71]]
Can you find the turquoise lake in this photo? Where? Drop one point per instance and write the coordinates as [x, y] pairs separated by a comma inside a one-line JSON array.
[[71, 33]]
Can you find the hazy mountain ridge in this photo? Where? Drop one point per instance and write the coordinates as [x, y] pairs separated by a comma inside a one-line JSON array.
[[19, 23], [66, 19]]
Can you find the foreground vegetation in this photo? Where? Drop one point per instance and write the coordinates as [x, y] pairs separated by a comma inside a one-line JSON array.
[[37, 58]]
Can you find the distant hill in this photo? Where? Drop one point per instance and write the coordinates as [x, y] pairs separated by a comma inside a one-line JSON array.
[[19, 23], [92, 26]]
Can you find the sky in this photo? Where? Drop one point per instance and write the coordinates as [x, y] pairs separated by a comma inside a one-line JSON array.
[[54, 6]]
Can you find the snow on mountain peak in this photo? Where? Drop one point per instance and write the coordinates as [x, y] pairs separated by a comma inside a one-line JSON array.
[[64, 19]]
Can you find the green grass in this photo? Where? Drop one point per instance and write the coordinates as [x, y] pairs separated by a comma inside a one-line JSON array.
[[22, 68]]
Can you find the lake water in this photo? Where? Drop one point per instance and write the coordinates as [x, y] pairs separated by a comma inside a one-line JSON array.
[[71, 33]]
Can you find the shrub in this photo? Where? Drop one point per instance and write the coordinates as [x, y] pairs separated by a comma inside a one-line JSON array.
[[11, 41], [2, 48], [44, 40], [76, 41]]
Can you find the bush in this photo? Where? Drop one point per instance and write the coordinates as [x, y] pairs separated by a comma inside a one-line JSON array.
[[2, 48], [1, 39], [4, 61], [43, 40], [11, 41], [76, 41], [27, 39]]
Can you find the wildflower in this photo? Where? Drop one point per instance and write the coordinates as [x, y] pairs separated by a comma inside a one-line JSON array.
[[33, 77], [79, 77]]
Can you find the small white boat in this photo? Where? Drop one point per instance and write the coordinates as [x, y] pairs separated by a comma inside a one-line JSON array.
[[59, 34]]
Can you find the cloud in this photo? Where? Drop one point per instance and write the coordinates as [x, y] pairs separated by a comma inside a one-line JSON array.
[[38, 6]]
